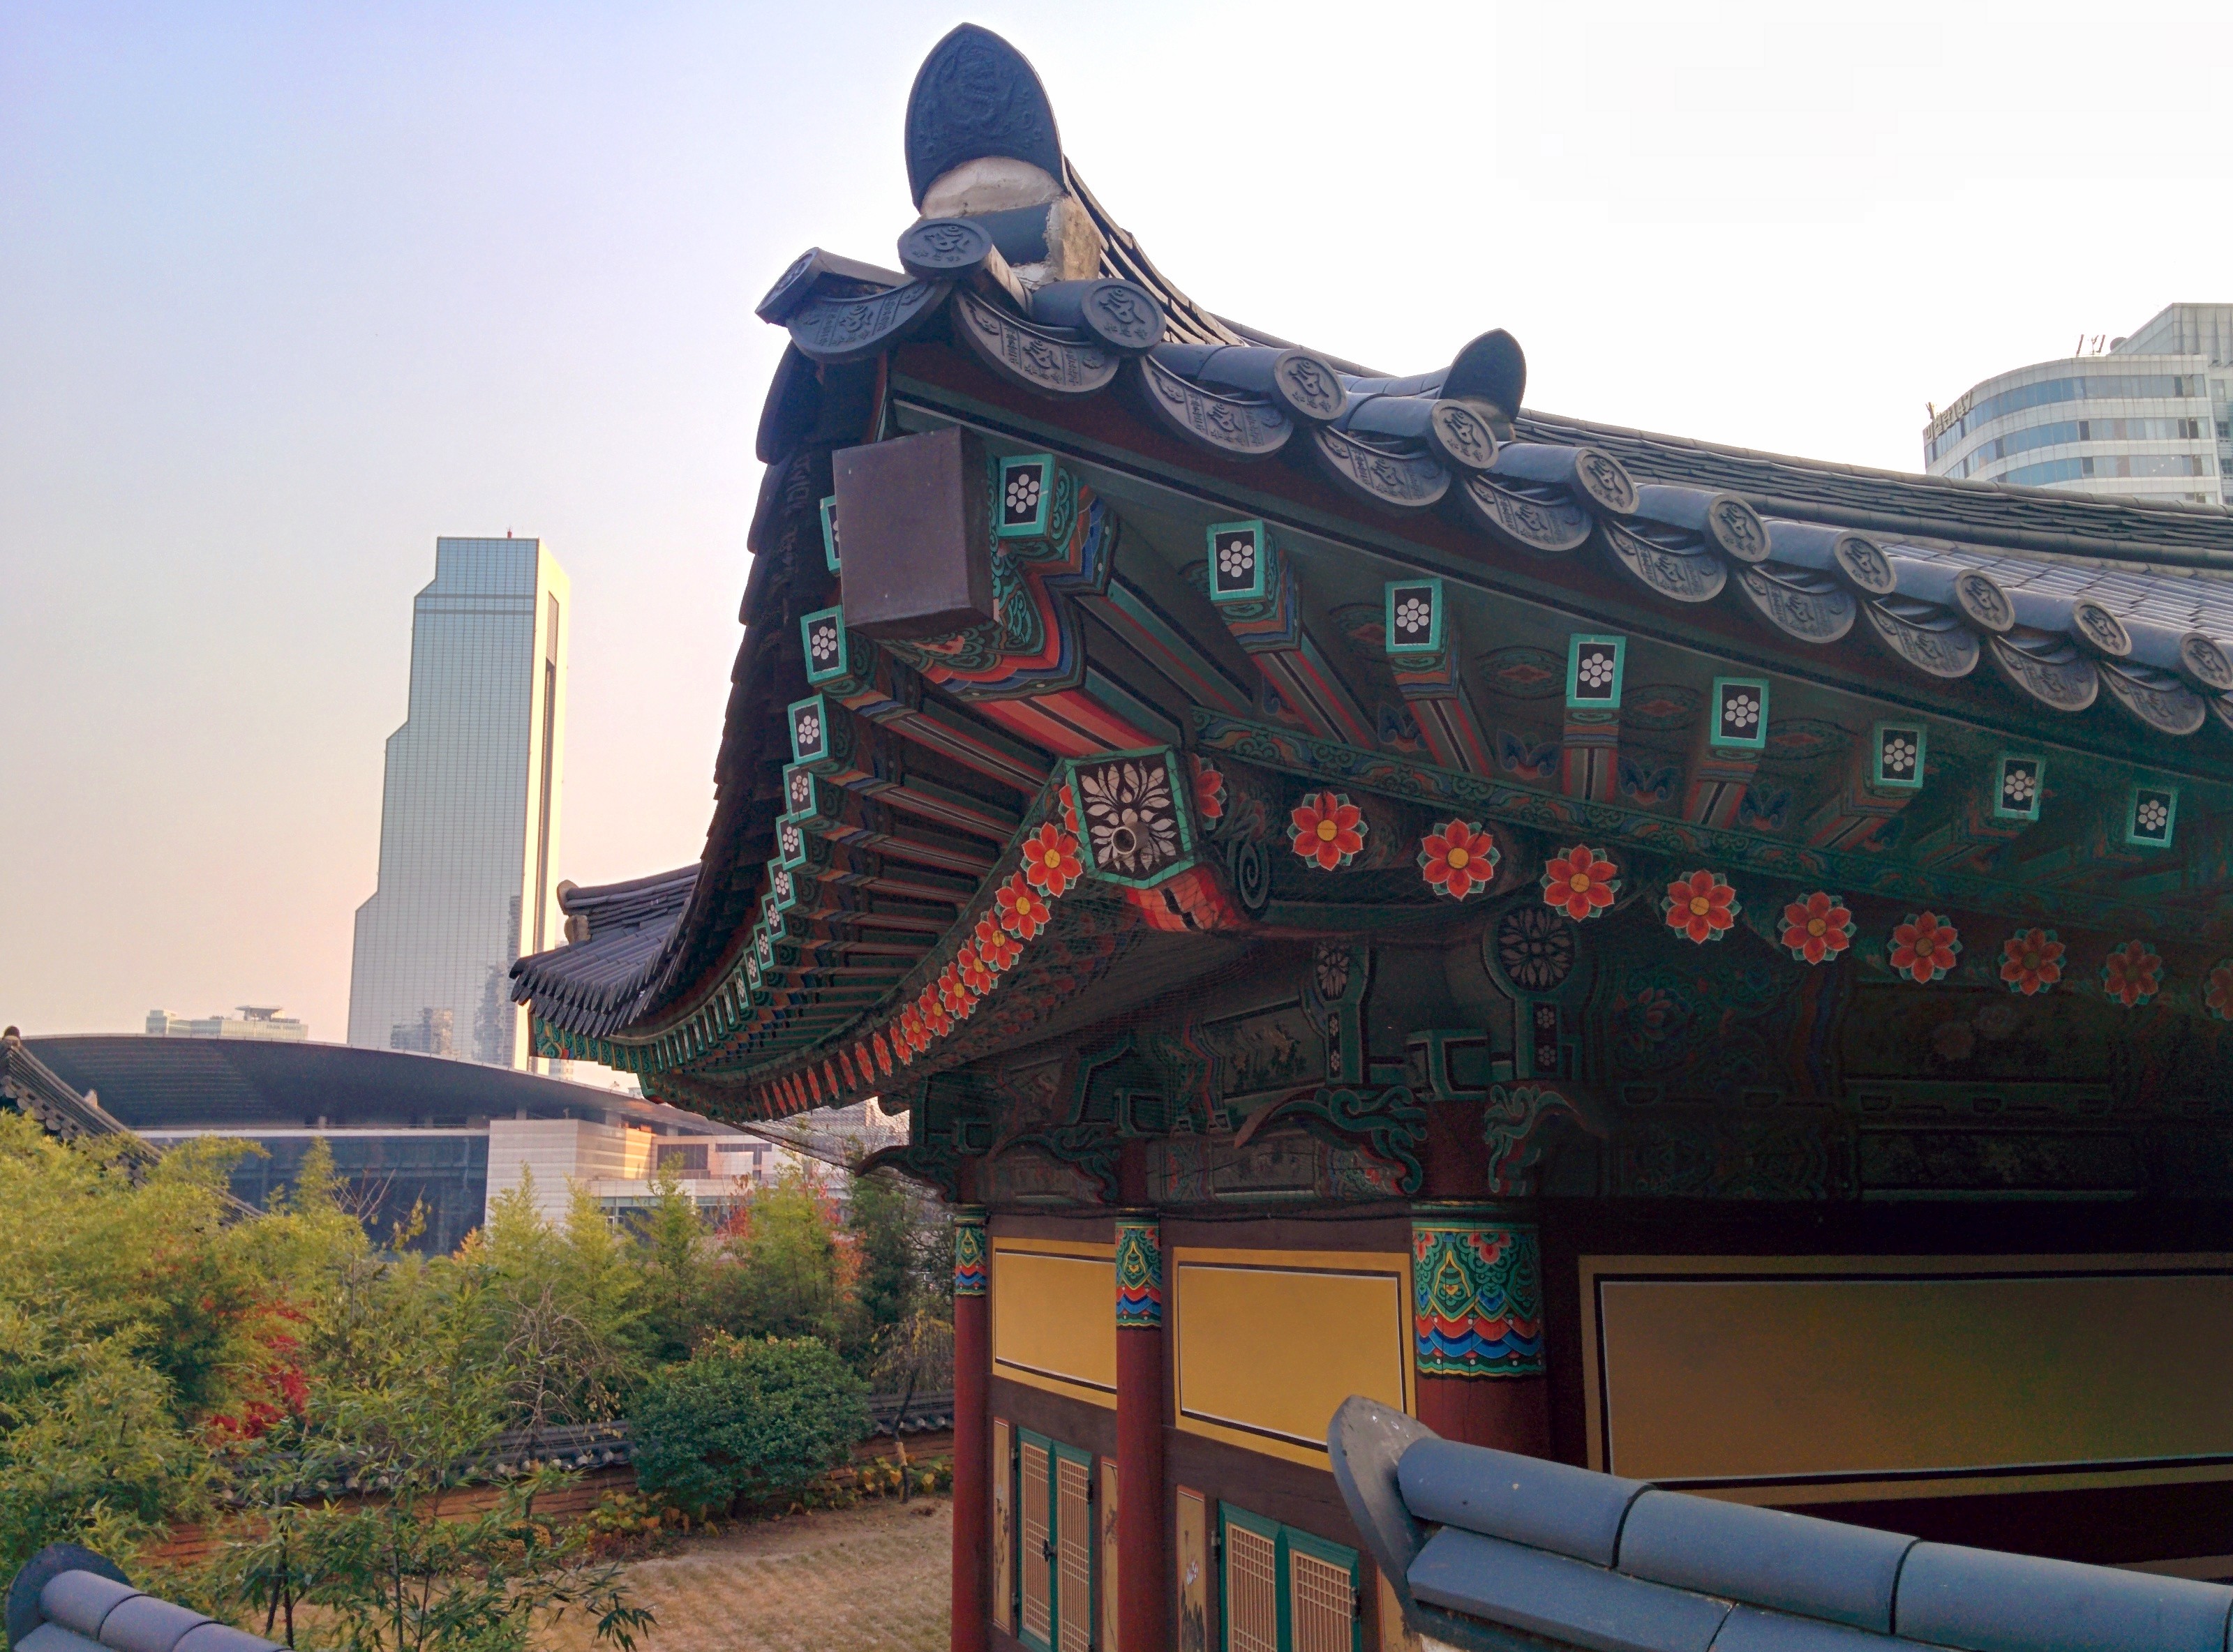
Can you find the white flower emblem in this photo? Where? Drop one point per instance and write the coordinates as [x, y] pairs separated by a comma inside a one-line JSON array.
[[824, 643], [1128, 817], [1411, 615], [1597, 670], [1898, 754], [2153, 815], [2022, 784], [1741, 711], [801, 790], [790, 840], [810, 728], [1022, 493], [1235, 557]]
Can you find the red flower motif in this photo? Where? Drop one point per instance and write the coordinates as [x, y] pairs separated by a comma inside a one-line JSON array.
[[2131, 974], [976, 975], [884, 1053], [1818, 928], [1069, 808], [913, 1035], [1208, 789], [1024, 911], [1327, 828], [1924, 948], [1051, 860], [2031, 961], [993, 944], [1458, 857], [864, 1063], [950, 991], [2217, 991], [1701, 906], [1580, 883]]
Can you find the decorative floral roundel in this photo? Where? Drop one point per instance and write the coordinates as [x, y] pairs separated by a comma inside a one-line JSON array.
[[1128, 811], [2131, 974], [1818, 928], [2031, 961], [1022, 493], [1924, 947], [1535, 948], [1580, 883], [1326, 829], [2217, 991], [1701, 906], [1329, 967], [1051, 860], [1459, 858], [2153, 815]]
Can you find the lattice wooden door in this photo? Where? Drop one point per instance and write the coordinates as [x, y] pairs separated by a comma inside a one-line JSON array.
[[1252, 1590], [1321, 1603], [1073, 1526], [1035, 1560]]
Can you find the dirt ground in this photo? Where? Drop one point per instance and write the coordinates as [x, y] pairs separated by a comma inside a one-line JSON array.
[[867, 1579]]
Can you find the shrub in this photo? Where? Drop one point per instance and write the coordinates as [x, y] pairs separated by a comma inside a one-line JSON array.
[[757, 1421]]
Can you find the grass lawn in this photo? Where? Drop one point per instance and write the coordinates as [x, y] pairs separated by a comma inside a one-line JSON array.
[[869, 1579]]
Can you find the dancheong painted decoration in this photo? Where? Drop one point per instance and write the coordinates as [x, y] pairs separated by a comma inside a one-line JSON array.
[[1706, 965]]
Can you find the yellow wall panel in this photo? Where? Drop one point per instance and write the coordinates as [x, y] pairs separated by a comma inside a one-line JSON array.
[[1269, 1343], [1922, 1371], [1054, 1316]]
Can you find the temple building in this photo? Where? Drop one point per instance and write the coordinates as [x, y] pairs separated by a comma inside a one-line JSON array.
[[1707, 967]]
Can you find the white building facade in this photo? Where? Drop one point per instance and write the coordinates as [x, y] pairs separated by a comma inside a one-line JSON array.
[[469, 810], [2151, 418]]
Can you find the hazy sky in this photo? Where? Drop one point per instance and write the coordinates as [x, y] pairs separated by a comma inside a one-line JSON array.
[[286, 291]]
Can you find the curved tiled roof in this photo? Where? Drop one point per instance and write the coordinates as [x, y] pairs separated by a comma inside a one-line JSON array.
[[2069, 602], [1478, 1544], [625, 930]]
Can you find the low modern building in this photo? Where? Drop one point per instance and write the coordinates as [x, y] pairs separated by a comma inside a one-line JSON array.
[[2151, 418], [254, 1021], [404, 1129]]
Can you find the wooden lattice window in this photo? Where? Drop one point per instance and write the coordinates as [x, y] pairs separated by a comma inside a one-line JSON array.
[[1286, 1591], [1073, 1548], [1056, 1537], [1035, 1544]]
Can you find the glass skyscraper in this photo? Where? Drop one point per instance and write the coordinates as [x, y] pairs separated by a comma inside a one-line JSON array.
[[2152, 419], [469, 812]]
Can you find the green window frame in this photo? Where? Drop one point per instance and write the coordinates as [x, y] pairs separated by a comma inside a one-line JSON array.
[[1285, 1545]]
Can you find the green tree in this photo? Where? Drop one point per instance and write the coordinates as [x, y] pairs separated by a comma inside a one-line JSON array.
[[406, 1413], [682, 1282], [897, 1250], [752, 1420], [796, 1275]]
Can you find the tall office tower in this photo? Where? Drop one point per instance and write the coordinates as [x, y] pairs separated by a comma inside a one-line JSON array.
[[469, 815], [2153, 419]]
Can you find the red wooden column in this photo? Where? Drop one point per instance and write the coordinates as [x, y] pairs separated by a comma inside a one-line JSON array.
[[1143, 1586], [1477, 1315], [972, 1431]]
